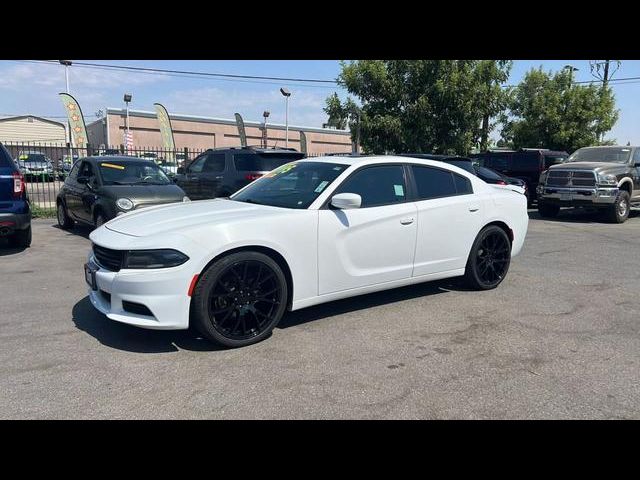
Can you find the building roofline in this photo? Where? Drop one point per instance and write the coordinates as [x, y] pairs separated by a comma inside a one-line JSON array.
[[225, 121], [19, 117]]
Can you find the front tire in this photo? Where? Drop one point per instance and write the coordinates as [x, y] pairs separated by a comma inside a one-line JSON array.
[[64, 221], [619, 211], [239, 299], [489, 259]]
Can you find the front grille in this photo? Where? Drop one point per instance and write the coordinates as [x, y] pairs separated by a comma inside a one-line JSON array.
[[108, 259], [568, 178]]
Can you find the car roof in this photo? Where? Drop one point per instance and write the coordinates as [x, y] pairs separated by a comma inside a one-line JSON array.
[[251, 149], [115, 158], [382, 159], [610, 146]]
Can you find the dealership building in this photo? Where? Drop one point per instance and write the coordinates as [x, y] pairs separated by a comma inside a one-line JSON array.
[[195, 132]]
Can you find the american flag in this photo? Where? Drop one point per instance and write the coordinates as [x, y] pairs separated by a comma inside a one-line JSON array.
[[128, 140]]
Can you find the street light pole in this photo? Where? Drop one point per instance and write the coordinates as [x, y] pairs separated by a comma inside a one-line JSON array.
[[286, 94], [127, 99], [67, 64]]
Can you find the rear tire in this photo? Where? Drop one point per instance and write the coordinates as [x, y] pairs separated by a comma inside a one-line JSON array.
[[21, 238], [239, 299], [547, 211], [489, 259], [64, 221], [619, 211]]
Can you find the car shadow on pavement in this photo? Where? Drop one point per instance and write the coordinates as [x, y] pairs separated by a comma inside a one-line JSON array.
[[80, 230], [7, 249], [133, 339], [363, 302], [577, 215]]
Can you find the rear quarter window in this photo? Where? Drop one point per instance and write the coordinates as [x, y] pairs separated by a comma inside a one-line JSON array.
[[249, 162]]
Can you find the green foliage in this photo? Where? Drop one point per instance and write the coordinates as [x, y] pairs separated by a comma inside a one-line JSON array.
[[548, 111], [421, 105], [42, 212]]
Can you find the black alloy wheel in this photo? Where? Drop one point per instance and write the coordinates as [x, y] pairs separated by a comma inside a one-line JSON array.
[[489, 259], [240, 299]]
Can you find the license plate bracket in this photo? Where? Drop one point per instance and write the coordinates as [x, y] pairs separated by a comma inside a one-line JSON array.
[[90, 276]]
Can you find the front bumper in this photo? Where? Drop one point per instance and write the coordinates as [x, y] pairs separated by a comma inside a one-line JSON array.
[[599, 196], [164, 292]]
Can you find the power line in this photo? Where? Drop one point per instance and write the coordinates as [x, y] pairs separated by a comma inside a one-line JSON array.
[[192, 72]]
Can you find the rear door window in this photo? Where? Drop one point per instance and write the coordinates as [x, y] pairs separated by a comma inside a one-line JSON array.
[[497, 162], [214, 163], [434, 182]]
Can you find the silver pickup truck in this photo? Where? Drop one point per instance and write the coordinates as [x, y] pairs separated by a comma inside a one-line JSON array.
[[606, 178]]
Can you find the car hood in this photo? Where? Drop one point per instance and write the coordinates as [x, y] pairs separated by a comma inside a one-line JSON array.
[[179, 217], [599, 167], [145, 194]]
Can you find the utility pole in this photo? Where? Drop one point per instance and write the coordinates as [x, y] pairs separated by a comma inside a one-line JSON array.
[[602, 71]]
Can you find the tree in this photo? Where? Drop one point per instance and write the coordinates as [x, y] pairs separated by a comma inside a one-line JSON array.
[[548, 111], [433, 106]]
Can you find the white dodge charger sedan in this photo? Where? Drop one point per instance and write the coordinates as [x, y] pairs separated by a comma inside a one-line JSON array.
[[309, 232]]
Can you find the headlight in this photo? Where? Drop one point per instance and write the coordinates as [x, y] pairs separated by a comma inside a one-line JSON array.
[[186, 199], [154, 258], [607, 179], [124, 204]]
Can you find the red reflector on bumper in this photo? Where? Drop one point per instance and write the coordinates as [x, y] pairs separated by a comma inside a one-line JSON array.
[[194, 280]]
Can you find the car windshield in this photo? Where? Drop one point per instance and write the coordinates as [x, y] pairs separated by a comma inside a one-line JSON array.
[[123, 172], [33, 158], [294, 185], [608, 154]]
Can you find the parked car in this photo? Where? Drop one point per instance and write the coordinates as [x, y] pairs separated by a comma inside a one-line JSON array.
[[496, 178], [169, 167], [221, 172], [36, 166], [15, 211], [102, 187], [309, 232], [150, 156], [605, 178], [526, 164]]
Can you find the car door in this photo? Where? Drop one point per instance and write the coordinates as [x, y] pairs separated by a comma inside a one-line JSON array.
[[449, 218], [371, 244], [76, 190], [212, 175], [636, 174], [87, 192], [190, 182]]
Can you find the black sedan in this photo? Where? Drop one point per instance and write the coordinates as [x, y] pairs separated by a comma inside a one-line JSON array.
[[102, 187]]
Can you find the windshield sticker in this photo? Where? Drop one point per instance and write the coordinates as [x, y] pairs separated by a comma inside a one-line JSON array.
[[399, 190], [112, 165], [281, 170], [321, 186]]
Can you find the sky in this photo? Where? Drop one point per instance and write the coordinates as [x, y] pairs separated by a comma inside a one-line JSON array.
[[28, 87]]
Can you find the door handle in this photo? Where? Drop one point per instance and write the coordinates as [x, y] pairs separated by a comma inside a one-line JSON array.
[[407, 221], [219, 177], [474, 208]]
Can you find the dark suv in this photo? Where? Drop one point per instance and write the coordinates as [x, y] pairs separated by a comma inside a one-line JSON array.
[[222, 171], [15, 212], [526, 164]]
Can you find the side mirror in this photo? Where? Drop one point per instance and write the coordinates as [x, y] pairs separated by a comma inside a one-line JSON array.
[[83, 180], [346, 201], [180, 170]]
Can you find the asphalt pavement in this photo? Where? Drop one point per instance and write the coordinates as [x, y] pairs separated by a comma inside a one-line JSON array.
[[560, 339]]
